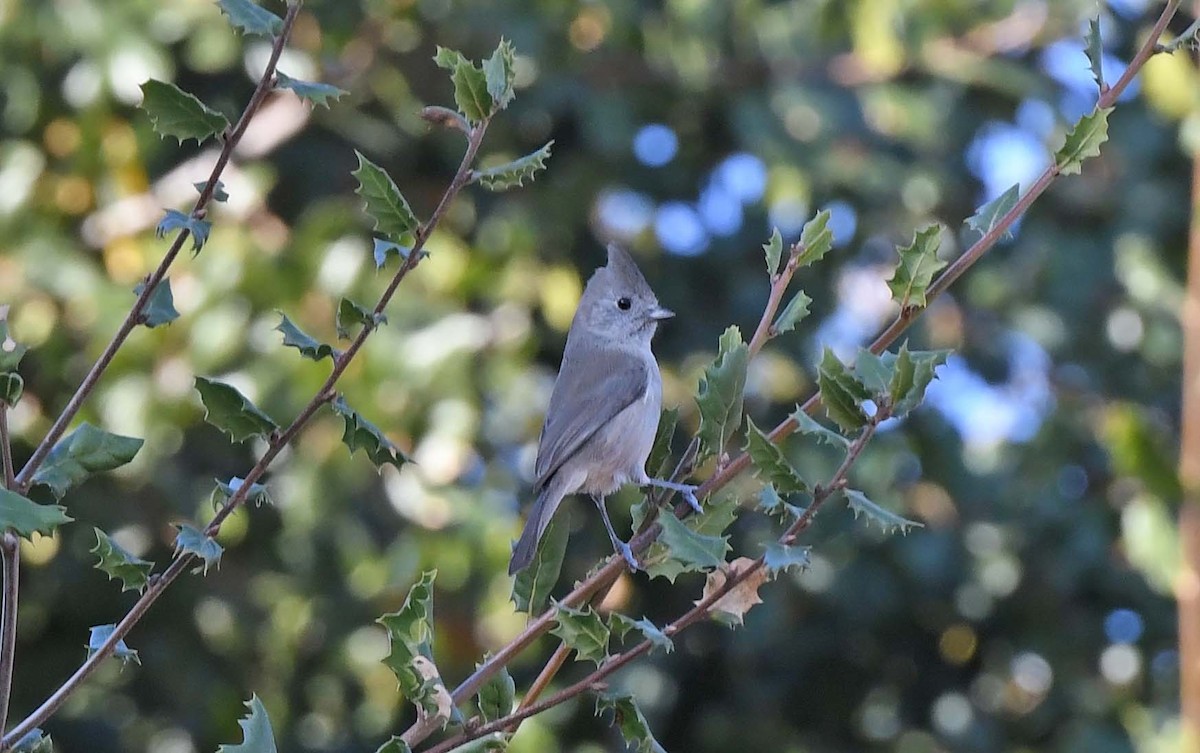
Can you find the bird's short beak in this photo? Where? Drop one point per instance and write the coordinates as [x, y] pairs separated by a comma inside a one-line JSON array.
[[658, 312]]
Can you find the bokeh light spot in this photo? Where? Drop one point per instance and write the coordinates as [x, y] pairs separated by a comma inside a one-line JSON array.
[[655, 145], [1123, 626], [680, 230]]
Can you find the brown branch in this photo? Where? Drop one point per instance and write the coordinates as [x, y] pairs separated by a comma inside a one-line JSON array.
[[779, 284], [608, 573]]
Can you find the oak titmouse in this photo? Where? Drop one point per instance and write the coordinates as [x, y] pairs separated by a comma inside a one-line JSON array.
[[605, 406]]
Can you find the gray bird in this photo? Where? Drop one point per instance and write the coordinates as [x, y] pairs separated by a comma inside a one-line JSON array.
[[605, 406]]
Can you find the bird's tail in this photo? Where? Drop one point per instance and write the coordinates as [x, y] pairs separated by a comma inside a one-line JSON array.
[[535, 525]]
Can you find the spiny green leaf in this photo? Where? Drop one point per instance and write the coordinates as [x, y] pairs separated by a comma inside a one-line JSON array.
[[194, 542], [24, 516], [219, 194], [841, 393], [395, 745], [770, 464], [988, 216], [383, 249], [780, 558], [806, 424], [174, 112], [532, 586], [470, 85], [309, 347], [1095, 52], [773, 251], [720, 394], [718, 515], [256, 495], [793, 313], [350, 314], [772, 504], [257, 736], [690, 550], [912, 375], [887, 520], [100, 634], [231, 412], [85, 451], [173, 219], [496, 696], [34, 741], [621, 625], [11, 351], [583, 630], [815, 239], [359, 433], [515, 173], [318, 94], [660, 451], [1083, 141], [12, 386], [918, 264], [628, 718], [250, 18], [160, 309], [118, 564], [499, 74], [410, 655], [874, 372], [385, 204]]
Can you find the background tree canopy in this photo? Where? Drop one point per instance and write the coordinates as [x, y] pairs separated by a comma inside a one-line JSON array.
[[1033, 611]]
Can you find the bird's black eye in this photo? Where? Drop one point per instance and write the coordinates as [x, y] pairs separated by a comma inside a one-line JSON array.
[[624, 304]]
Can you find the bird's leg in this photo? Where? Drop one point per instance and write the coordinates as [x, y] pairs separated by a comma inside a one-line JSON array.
[[620, 546], [688, 491]]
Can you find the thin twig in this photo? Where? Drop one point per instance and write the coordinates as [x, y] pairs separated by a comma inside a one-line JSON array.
[[6, 450], [10, 552], [134, 317], [779, 286], [607, 574]]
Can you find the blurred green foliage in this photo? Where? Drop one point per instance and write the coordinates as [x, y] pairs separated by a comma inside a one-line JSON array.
[[1033, 611]]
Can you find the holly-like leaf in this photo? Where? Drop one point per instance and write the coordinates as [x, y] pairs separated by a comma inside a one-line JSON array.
[[251, 19], [815, 239], [912, 373], [351, 314], [660, 451], [173, 219], [583, 630], [1094, 48], [499, 74], [720, 394], [988, 216], [918, 264], [731, 608], [395, 745], [12, 386], [1083, 141], [118, 564], [385, 204], [780, 558], [361, 434], [218, 195], [160, 309], [770, 503], [34, 741], [231, 412], [11, 351], [874, 372], [384, 249], [515, 173], [410, 655], [532, 586], [309, 347], [629, 720], [773, 251], [256, 495], [807, 425], [24, 516], [174, 112], [497, 695], [770, 464], [257, 736], [100, 634], [887, 520], [194, 542], [841, 393], [81, 453], [691, 551], [318, 94], [470, 85], [621, 625], [793, 313]]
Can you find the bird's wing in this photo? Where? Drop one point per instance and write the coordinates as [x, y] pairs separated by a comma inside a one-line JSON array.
[[587, 395]]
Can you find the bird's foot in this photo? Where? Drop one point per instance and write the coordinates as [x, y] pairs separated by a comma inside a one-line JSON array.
[[626, 553], [687, 491]]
